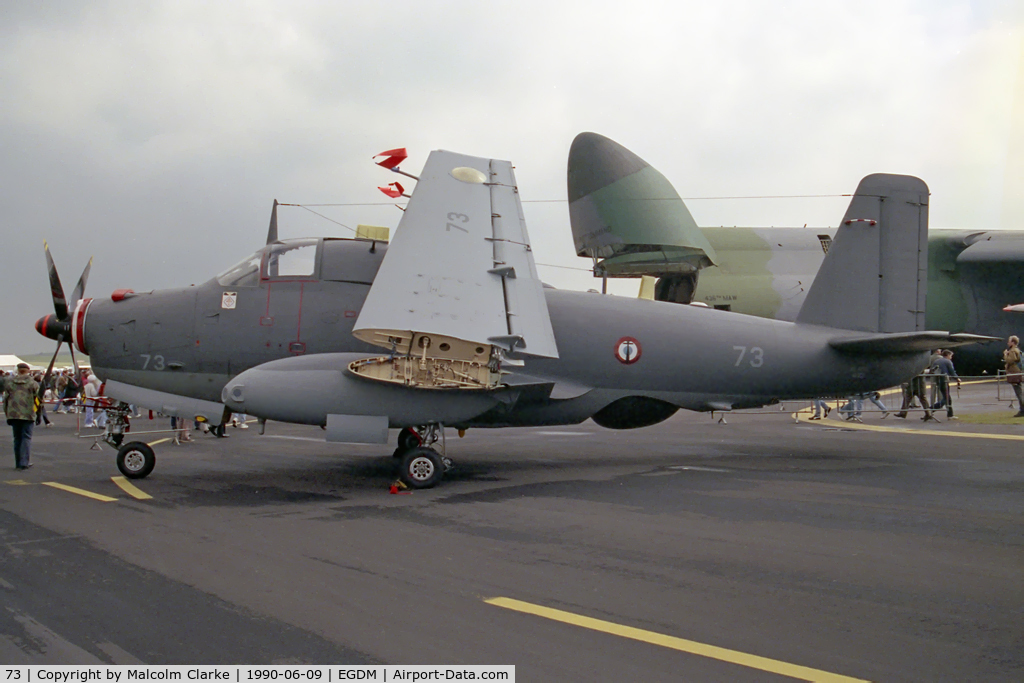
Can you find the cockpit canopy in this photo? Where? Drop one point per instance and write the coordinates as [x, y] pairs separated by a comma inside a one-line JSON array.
[[308, 259]]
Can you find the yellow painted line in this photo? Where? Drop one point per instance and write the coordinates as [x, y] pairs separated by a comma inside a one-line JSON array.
[[130, 488], [18, 482], [732, 656], [158, 441], [81, 492], [830, 422]]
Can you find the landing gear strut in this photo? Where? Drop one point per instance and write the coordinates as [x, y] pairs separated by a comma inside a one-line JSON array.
[[117, 424], [421, 466]]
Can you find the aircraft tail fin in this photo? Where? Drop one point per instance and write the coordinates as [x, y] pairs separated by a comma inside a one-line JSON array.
[[624, 212], [875, 275]]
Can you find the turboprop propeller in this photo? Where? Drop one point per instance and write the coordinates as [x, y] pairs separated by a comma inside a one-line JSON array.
[[58, 325]]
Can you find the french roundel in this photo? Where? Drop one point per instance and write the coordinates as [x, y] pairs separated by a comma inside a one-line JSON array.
[[627, 350]]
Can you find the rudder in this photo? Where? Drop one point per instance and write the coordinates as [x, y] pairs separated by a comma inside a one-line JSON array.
[[875, 275]]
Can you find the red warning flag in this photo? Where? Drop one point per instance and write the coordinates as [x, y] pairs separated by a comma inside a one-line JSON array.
[[393, 192], [393, 157]]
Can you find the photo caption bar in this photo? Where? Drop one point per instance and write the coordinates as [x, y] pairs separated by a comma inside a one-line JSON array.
[[277, 673]]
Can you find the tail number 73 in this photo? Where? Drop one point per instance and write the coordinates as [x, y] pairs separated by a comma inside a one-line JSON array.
[[755, 358]]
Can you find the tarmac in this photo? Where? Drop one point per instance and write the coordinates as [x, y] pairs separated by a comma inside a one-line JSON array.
[[766, 548]]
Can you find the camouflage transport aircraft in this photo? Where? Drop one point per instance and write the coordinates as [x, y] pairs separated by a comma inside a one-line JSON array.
[[630, 220], [449, 325]]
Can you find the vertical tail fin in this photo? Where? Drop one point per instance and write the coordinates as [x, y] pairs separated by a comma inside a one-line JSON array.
[[875, 275], [624, 211]]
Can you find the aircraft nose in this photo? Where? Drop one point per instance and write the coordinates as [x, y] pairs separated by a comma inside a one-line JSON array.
[[50, 327]]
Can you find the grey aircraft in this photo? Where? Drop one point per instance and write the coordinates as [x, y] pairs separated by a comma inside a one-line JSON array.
[[449, 325]]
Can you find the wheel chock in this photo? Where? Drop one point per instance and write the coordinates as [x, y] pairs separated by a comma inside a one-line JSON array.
[[398, 488]]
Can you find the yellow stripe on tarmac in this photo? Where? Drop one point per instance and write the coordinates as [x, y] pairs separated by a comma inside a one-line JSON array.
[[81, 492], [158, 441], [18, 482], [130, 488], [732, 656], [829, 422]]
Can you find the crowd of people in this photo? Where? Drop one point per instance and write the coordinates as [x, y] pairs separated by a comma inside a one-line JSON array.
[[929, 391]]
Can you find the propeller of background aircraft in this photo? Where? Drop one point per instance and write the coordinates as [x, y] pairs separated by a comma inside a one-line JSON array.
[[58, 325]]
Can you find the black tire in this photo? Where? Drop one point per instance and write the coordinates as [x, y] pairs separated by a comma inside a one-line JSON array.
[[421, 468], [135, 460], [408, 440]]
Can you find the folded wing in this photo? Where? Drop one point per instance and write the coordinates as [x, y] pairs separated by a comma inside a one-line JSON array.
[[458, 289]]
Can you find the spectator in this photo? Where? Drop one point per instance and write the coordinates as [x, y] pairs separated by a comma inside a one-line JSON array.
[[821, 409], [853, 408], [876, 399], [942, 369], [41, 407], [916, 388], [1011, 357], [92, 402], [20, 393]]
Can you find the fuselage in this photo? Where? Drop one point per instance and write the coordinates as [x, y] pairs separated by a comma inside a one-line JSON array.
[[192, 341]]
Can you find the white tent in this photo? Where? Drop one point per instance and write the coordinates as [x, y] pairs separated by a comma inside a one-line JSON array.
[[10, 363]]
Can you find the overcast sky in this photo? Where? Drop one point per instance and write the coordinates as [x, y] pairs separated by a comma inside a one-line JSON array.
[[155, 135]]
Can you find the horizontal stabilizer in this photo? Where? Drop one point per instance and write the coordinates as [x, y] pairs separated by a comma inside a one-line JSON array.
[[906, 342]]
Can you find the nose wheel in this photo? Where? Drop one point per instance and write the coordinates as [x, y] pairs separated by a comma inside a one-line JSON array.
[[135, 460]]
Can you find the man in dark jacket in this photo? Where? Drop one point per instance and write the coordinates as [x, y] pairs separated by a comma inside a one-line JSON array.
[[942, 368], [20, 393]]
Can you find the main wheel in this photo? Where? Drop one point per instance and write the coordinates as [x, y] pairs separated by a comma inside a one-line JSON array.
[[135, 460], [421, 468]]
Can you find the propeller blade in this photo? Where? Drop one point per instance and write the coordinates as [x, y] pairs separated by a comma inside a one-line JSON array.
[[49, 371], [79, 292], [272, 232], [60, 304]]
